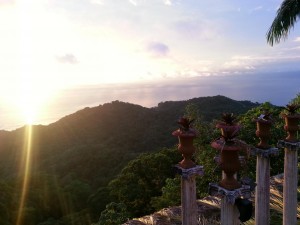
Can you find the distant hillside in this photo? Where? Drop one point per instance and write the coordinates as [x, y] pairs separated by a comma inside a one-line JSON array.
[[91, 146], [209, 107]]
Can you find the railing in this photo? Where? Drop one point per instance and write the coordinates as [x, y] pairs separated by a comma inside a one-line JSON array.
[[234, 195]]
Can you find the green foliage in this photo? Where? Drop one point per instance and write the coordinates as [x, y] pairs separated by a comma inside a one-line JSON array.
[[206, 130], [205, 157], [114, 214], [98, 201], [287, 15], [6, 201], [293, 107], [171, 194], [295, 100], [77, 193], [51, 221], [142, 179]]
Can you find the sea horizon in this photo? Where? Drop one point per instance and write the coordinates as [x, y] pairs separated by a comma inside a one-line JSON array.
[[277, 88]]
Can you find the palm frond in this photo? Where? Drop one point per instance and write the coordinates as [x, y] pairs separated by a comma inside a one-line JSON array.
[[287, 15]]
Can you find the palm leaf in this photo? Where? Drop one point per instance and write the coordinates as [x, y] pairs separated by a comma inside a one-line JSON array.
[[287, 15]]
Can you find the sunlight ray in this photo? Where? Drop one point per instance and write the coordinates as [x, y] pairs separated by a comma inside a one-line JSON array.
[[26, 164], [26, 62]]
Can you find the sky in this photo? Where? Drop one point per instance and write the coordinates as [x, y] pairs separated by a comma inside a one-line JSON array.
[[57, 56]]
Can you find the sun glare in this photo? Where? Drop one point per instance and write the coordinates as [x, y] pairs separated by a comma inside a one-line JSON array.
[[29, 106], [26, 164], [27, 103], [30, 91]]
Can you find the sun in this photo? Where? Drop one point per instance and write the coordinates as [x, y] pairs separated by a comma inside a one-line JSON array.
[[37, 96], [30, 102], [25, 89], [26, 103]]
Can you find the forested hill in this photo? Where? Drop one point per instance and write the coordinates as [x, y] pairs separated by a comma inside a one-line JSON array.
[[85, 150], [123, 123]]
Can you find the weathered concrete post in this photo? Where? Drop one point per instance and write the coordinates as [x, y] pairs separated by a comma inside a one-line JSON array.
[[290, 187], [188, 201], [291, 146], [262, 191], [229, 213], [290, 182], [189, 210], [263, 151], [188, 171]]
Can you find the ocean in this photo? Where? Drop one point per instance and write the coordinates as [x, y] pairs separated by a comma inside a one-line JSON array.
[[277, 88]]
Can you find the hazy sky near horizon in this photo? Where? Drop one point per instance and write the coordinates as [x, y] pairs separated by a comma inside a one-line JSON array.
[[50, 45]]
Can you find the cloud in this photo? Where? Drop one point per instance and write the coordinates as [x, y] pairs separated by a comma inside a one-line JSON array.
[[67, 58], [269, 62], [158, 49], [197, 29], [240, 63], [297, 39]]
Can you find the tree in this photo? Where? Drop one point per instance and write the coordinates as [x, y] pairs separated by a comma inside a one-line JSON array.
[[171, 194], [114, 214], [142, 179], [98, 201], [287, 15], [296, 100]]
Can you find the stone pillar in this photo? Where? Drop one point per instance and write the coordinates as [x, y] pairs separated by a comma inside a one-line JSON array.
[[188, 201], [262, 191], [290, 180], [189, 210], [229, 211]]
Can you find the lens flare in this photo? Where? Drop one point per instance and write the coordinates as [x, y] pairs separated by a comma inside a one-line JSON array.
[[26, 164]]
